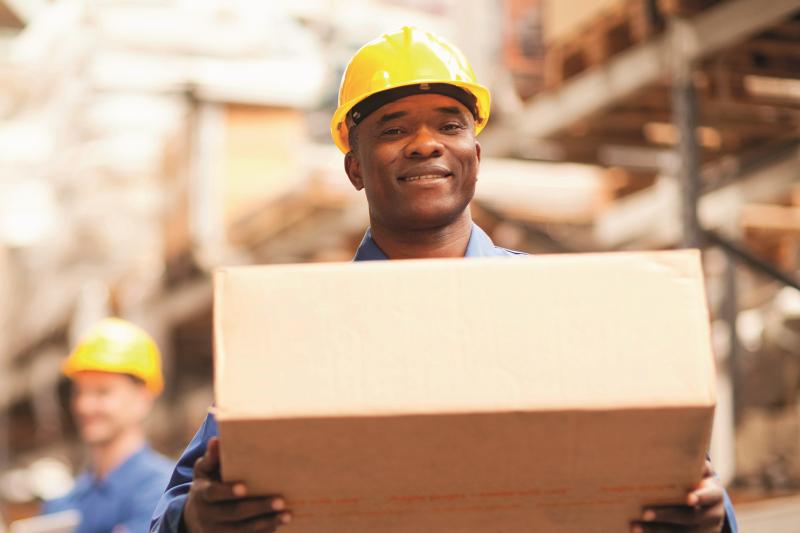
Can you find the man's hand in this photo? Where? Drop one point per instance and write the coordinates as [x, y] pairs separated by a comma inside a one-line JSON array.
[[704, 511], [215, 506]]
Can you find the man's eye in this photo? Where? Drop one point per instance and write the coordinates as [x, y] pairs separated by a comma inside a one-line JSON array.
[[452, 126], [392, 131]]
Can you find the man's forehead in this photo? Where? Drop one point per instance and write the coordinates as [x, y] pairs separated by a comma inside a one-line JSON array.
[[433, 103], [99, 377], [422, 102]]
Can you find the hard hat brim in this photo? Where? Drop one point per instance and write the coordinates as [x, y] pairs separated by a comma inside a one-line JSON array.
[[340, 131]]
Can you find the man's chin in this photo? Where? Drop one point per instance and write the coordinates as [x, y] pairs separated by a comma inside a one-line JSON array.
[[96, 437], [429, 219]]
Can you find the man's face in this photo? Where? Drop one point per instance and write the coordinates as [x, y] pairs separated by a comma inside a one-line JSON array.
[[106, 404], [417, 160]]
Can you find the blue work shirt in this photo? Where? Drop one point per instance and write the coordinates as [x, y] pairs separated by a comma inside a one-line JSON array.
[[123, 501], [168, 513]]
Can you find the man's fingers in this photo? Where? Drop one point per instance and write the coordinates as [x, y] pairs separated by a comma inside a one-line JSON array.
[[207, 467], [682, 515], [655, 527], [708, 494], [266, 524], [707, 470], [672, 514], [217, 491], [227, 506], [246, 508]]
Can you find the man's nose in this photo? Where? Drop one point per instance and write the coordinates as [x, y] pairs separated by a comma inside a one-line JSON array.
[[423, 144], [83, 403]]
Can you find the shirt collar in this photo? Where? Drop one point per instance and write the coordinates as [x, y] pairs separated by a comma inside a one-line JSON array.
[[368, 250], [116, 477], [479, 245]]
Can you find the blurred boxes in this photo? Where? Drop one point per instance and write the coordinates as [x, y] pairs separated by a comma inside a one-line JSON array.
[[581, 34], [523, 45], [559, 393], [263, 156], [565, 18]]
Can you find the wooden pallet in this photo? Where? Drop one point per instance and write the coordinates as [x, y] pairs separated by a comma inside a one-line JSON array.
[[773, 231], [523, 48], [618, 28], [684, 8]]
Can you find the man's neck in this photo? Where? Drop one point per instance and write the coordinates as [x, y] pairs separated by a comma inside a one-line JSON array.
[[108, 456], [446, 241]]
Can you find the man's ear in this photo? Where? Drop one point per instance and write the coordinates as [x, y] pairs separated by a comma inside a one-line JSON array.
[[478, 150], [353, 169]]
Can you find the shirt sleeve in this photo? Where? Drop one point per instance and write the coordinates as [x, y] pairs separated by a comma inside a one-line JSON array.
[[168, 512], [54, 506], [730, 517]]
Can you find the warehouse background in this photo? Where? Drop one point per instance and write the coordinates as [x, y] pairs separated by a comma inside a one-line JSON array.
[[144, 142]]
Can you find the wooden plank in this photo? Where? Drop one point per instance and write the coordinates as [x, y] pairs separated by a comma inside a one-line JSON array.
[[773, 47], [789, 29], [684, 8], [9, 18], [763, 97], [775, 67], [562, 19], [781, 251], [709, 118], [777, 219]]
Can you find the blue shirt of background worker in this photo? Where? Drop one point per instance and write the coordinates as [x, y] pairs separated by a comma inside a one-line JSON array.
[[123, 501]]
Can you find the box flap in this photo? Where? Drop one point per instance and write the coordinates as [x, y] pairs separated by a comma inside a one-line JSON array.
[[451, 336]]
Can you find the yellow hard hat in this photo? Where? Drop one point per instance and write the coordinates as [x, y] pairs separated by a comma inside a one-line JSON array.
[[115, 345], [407, 58]]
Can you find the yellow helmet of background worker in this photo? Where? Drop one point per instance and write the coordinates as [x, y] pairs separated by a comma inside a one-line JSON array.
[[408, 58], [115, 345]]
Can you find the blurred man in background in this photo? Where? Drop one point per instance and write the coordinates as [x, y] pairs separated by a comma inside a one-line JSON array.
[[409, 112], [116, 376]]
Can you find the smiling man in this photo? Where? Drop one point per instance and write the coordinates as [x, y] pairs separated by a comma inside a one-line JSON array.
[[418, 192], [409, 113]]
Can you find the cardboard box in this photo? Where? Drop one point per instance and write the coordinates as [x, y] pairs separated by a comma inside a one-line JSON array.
[[551, 393]]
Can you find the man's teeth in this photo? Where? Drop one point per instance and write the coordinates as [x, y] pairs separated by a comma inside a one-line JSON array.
[[424, 177]]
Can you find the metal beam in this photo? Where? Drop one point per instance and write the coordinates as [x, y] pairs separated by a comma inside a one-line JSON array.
[[730, 313], [687, 42], [684, 111], [742, 254]]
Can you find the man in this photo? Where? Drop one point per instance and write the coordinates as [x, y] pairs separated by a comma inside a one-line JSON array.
[[116, 375], [409, 112]]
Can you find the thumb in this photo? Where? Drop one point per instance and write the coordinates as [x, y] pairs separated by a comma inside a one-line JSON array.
[[207, 467], [708, 471]]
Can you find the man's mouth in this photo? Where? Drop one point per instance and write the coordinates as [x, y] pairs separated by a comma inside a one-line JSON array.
[[424, 177]]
